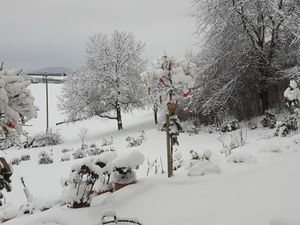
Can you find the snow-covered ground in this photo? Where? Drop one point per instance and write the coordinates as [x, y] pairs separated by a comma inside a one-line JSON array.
[[262, 189]]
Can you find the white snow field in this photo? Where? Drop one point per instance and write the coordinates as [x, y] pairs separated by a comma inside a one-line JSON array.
[[258, 185]]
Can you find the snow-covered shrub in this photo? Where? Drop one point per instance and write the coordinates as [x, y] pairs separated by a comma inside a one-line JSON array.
[[79, 153], [202, 168], [286, 127], [195, 157], [177, 159], [45, 158], [136, 141], [86, 178], [28, 208], [189, 128], [15, 161], [175, 128], [65, 150], [292, 97], [65, 157], [239, 157], [231, 126], [268, 120], [94, 150], [123, 172], [25, 157], [47, 139], [5, 173], [17, 106], [232, 141], [152, 164], [107, 142]]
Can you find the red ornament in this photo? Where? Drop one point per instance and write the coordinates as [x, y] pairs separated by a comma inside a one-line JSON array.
[[11, 125], [186, 94]]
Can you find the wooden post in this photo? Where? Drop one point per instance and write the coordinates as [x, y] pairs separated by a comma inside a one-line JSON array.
[[169, 159], [47, 106]]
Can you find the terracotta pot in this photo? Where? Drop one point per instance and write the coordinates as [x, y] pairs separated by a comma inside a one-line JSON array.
[[119, 186], [80, 205]]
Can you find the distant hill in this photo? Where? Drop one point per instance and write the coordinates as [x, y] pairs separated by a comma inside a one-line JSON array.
[[52, 70]]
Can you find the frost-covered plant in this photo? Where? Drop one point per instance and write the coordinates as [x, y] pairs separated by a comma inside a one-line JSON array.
[[292, 97], [5, 174], [107, 142], [17, 106], [232, 141], [15, 161], [123, 172], [94, 150], [286, 127], [177, 160], [45, 158], [65, 157], [136, 141], [48, 138], [25, 157], [268, 120], [196, 157], [231, 126], [65, 150], [79, 153], [189, 128], [152, 164], [86, 178]]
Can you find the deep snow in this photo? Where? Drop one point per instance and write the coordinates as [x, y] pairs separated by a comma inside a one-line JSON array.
[[264, 191]]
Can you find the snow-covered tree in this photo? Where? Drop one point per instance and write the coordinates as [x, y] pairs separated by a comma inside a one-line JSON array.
[[292, 97], [110, 80], [246, 45], [16, 106], [168, 77]]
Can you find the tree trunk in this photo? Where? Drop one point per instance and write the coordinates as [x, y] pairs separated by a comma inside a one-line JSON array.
[[155, 116], [264, 96], [119, 117]]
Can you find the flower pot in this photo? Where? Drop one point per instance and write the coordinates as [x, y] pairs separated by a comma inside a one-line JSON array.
[[77, 205], [119, 186]]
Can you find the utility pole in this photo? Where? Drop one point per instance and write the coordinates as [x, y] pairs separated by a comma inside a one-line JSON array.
[[45, 75], [47, 104]]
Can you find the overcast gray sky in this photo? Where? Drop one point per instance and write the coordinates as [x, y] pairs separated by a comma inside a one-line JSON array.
[[42, 33]]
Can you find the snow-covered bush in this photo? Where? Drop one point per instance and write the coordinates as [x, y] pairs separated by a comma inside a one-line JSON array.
[[195, 157], [136, 141], [123, 172], [5, 173], [292, 97], [177, 160], [65, 157], [79, 153], [189, 127], [268, 120], [286, 127], [231, 126], [65, 150], [202, 168], [232, 141], [25, 157], [107, 142], [152, 164], [48, 138], [175, 128], [17, 106], [94, 150], [45, 158], [15, 161], [239, 157], [86, 178]]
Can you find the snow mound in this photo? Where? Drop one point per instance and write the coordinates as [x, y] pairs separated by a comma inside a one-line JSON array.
[[202, 168], [271, 149], [8, 212], [131, 160], [239, 157], [280, 221]]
